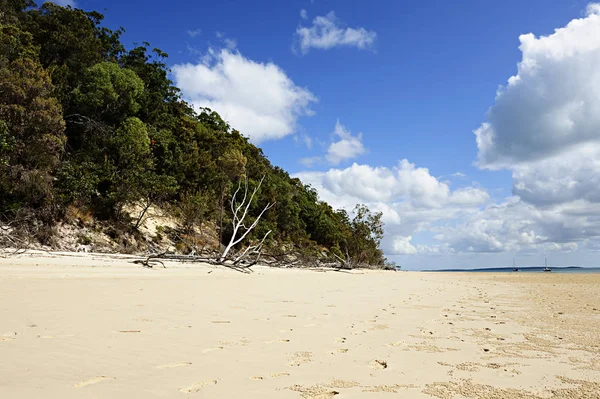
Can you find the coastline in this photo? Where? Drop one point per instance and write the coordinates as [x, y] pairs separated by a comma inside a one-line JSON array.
[[99, 326]]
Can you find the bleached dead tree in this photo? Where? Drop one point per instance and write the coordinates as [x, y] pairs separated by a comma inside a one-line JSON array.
[[345, 263], [238, 224]]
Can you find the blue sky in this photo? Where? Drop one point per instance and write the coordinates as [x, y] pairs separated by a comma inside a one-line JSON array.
[[359, 90]]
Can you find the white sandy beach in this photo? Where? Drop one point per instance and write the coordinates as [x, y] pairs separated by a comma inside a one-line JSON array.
[[85, 326]]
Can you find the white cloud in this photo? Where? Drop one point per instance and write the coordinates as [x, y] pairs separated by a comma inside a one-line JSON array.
[[552, 105], [231, 44], [516, 226], [402, 246], [304, 139], [544, 127], [344, 147], [561, 178], [258, 99], [410, 198], [303, 14], [347, 147], [194, 33], [327, 32]]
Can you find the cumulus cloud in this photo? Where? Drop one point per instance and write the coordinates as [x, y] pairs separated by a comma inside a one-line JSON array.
[[552, 105], [258, 99], [328, 31], [543, 127], [303, 14], [409, 197], [516, 226], [344, 147], [402, 246], [347, 147], [563, 178]]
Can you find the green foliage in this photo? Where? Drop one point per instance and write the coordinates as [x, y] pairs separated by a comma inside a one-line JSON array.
[[108, 92], [86, 123], [132, 144], [31, 124], [7, 144], [194, 209], [367, 232]]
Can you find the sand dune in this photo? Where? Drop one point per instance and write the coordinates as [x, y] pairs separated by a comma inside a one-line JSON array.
[[99, 327]]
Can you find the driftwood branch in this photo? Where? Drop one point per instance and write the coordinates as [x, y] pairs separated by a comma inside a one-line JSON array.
[[238, 222], [151, 260]]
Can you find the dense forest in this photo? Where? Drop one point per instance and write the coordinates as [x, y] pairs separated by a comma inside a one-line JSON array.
[[88, 125]]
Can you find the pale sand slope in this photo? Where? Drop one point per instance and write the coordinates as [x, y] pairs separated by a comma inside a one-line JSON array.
[[115, 330]]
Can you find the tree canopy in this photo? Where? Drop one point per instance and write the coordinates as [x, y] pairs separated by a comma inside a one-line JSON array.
[[85, 121]]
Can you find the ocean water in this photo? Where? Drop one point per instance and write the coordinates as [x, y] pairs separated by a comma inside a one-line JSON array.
[[531, 269]]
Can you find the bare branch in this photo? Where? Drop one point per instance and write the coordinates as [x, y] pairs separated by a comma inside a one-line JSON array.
[[252, 249], [238, 222]]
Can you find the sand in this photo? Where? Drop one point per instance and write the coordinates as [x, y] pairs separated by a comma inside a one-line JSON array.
[[87, 326]]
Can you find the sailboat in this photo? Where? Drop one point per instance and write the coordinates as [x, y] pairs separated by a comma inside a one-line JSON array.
[[547, 269], [515, 269]]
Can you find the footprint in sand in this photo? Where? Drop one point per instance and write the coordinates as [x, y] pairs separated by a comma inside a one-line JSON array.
[[173, 365], [397, 343], [279, 340], [340, 340], [214, 348], [8, 336], [272, 376], [299, 358], [314, 392], [178, 327], [55, 336], [198, 386], [339, 351], [379, 327], [278, 375], [325, 395], [378, 364], [92, 381]]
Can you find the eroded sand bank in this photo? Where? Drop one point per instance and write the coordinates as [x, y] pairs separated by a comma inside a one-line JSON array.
[[96, 327]]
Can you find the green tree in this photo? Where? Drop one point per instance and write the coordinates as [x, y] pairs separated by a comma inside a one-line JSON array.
[[108, 93], [367, 233], [70, 40], [130, 138], [32, 128]]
